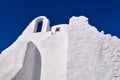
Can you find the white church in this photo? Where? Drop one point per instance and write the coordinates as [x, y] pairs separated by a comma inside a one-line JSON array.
[[74, 51]]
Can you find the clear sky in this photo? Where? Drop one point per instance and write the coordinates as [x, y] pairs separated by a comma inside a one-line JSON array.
[[15, 15]]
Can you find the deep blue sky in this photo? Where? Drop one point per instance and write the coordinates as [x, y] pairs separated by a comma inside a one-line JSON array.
[[15, 15]]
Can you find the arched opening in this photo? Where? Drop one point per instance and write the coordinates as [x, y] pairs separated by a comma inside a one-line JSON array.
[[31, 69], [39, 26]]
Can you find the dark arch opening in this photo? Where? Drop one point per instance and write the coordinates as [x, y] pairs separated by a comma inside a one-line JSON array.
[[39, 26]]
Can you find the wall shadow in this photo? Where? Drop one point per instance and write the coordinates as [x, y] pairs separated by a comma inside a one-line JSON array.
[[31, 69]]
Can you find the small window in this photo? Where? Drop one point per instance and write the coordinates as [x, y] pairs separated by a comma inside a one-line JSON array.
[[57, 29]]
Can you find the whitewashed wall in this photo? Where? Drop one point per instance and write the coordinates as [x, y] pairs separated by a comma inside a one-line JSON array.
[[76, 51]]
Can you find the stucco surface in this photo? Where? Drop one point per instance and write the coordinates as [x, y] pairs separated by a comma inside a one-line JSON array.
[[74, 51]]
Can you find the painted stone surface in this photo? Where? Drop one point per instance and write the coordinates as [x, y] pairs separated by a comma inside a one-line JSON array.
[[74, 51]]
